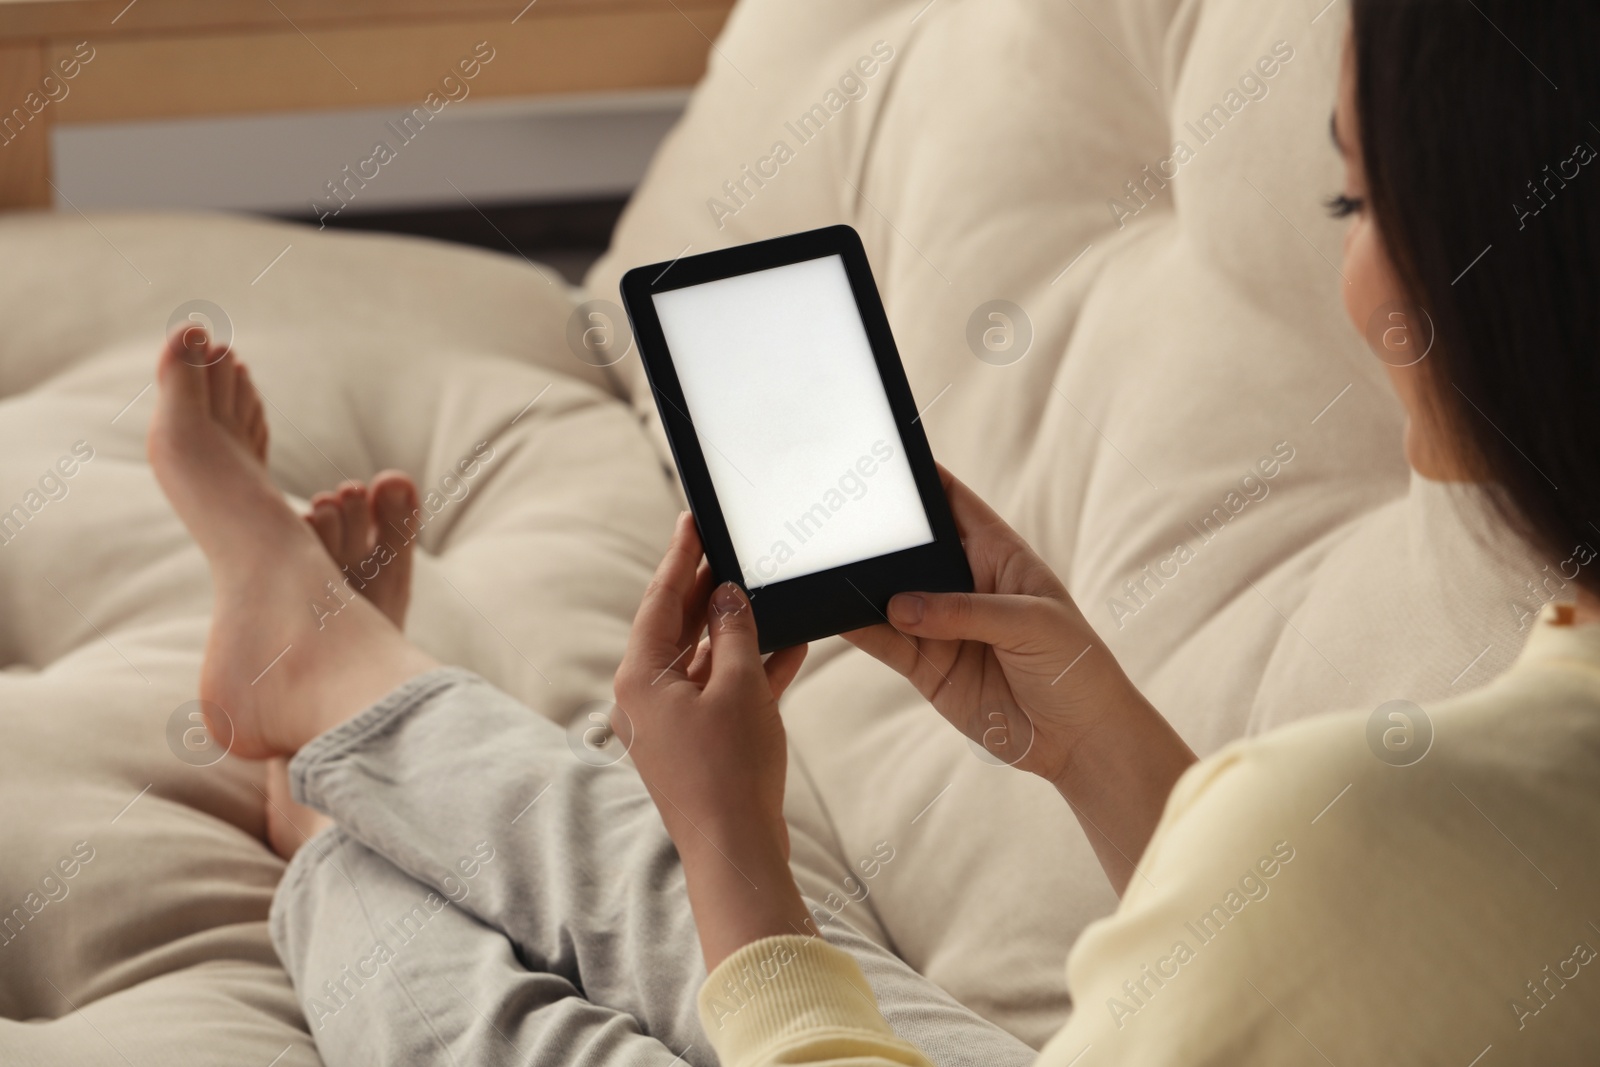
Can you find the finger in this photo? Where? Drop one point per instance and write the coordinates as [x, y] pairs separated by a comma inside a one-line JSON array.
[[698, 602], [971, 513], [782, 666], [735, 657], [700, 663], [1020, 624], [656, 641], [888, 646], [995, 551], [965, 505], [923, 662]]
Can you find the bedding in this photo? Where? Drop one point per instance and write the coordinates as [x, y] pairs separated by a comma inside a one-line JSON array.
[[1170, 406]]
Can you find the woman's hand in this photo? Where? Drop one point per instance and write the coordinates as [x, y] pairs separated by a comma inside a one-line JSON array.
[[700, 721], [1016, 668], [1014, 665]]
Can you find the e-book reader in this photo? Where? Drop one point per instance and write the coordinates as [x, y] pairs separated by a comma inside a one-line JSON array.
[[795, 432]]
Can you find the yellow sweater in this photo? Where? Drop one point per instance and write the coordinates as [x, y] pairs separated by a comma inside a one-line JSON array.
[[1318, 895]]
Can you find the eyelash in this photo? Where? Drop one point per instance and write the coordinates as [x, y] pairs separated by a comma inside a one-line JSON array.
[[1342, 206]]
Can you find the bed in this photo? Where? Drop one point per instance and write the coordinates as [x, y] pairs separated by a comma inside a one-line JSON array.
[[1135, 351]]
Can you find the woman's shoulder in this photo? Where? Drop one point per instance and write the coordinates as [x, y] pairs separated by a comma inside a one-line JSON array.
[[1399, 883], [1535, 731], [1411, 867], [1421, 778]]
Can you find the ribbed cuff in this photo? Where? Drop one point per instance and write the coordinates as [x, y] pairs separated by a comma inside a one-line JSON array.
[[778, 990], [401, 701]]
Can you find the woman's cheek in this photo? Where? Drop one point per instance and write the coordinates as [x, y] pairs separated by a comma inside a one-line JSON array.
[[1367, 276], [1351, 267]]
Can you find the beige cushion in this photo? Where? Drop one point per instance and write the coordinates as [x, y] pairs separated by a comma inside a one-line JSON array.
[[384, 352]]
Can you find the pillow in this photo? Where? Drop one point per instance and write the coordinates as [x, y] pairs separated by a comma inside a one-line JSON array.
[[135, 882]]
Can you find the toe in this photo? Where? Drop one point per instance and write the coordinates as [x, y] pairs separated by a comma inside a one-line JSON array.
[[394, 507], [193, 343], [181, 375], [328, 521], [220, 387], [258, 435], [394, 503], [246, 407], [357, 520], [252, 414]]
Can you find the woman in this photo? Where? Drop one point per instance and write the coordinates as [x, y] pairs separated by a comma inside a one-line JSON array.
[[1294, 898], [1298, 899]]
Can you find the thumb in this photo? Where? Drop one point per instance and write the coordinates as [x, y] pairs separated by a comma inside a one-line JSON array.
[[1012, 622], [735, 652]]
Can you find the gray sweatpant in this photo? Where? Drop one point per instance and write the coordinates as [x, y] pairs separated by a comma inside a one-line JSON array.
[[489, 897]]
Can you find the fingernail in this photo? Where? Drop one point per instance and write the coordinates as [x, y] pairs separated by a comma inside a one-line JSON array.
[[907, 607], [727, 599]]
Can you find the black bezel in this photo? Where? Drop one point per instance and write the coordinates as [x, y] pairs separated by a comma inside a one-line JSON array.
[[845, 598]]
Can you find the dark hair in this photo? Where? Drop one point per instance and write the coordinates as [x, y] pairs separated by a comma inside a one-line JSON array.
[[1476, 134]]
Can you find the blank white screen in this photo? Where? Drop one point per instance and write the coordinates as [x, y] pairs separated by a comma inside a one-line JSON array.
[[793, 420]]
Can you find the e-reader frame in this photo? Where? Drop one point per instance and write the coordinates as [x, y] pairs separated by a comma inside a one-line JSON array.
[[848, 597]]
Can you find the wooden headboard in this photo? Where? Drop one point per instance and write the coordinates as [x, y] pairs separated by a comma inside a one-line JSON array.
[[156, 59]]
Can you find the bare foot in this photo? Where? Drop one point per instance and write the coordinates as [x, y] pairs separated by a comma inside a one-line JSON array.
[[290, 824], [365, 530], [291, 652]]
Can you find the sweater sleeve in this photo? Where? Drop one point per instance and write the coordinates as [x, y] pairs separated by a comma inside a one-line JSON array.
[[797, 1000]]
